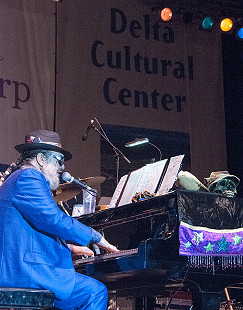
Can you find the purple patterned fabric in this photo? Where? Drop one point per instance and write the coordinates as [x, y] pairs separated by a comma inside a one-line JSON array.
[[200, 241]]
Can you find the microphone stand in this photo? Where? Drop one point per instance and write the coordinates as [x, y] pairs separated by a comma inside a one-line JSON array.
[[116, 150]]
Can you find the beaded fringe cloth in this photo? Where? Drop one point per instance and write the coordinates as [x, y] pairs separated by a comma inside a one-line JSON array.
[[210, 248], [211, 263]]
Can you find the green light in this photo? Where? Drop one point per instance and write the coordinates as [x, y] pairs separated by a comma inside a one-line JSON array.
[[207, 23]]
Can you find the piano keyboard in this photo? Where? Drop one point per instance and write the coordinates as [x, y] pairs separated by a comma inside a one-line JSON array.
[[80, 261]]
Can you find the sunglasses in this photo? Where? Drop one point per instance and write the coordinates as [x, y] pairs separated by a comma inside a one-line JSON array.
[[60, 159]]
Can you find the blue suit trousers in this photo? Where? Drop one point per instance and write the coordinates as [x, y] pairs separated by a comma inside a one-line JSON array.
[[87, 294]]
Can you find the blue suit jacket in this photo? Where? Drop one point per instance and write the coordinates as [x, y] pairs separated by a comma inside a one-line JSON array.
[[33, 253]]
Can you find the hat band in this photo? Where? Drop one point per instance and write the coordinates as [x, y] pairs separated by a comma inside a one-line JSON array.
[[38, 140]]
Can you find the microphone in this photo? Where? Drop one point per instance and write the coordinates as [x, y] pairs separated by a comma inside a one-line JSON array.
[[85, 135], [66, 176]]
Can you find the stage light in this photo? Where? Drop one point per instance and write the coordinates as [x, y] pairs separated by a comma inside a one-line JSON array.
[[239, 29], [207, 23], [166, 14], [239, 33], [226, 24]]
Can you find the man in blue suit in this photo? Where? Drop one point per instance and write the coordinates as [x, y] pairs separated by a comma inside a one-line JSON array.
[[36, 237]]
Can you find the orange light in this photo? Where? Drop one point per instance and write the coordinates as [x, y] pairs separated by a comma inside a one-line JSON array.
[[226, 24], [166, 14]]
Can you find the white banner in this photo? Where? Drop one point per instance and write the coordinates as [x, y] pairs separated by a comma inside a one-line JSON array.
[[117, 61], [122, 64], [27, 71]]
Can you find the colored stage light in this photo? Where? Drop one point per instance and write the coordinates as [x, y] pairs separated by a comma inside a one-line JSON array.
[[239, 34], [239, 29], [226, 24], [166, 14], [207, 23]]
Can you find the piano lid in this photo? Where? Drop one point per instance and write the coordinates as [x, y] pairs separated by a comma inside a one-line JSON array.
[[131, 212], [194, 208]]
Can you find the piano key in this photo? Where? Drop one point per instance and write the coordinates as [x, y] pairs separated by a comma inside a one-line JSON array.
[[105, 257]]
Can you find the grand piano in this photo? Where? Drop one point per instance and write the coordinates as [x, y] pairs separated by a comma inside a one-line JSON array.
[[147, 233]]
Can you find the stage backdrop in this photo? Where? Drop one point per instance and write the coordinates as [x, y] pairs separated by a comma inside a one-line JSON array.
[[27, 71], [114, 61], [119, 63]]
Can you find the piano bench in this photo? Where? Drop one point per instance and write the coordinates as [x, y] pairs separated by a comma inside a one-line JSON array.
[[25, 298]]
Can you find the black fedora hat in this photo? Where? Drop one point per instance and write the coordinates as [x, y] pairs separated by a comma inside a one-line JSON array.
[[43, 140]]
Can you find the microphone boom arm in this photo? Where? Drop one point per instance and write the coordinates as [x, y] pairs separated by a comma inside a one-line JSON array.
[[116, 150]]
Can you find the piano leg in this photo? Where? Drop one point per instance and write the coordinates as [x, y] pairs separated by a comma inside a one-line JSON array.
[[206, 300]]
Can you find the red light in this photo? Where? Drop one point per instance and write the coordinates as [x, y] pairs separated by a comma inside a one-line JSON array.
[[166, 14]]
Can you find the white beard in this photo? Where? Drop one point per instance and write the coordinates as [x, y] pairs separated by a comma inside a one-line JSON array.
[[53, 179], [54, 183]]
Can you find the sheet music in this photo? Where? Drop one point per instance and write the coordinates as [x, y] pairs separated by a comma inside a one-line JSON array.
[[171, 174], [118, 191], [140, 180], [150, 177], [132, 184], [147, 179]]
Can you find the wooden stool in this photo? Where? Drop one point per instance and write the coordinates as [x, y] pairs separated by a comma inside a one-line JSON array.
[[25, 298]]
